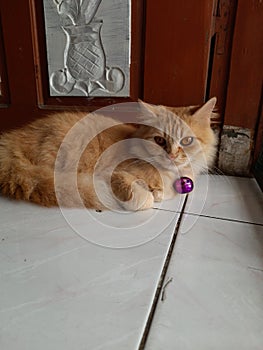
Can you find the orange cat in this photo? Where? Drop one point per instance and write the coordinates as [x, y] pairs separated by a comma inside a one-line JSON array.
[[74, 159]]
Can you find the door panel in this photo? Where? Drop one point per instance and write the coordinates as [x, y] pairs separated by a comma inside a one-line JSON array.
[[16, 33], [246, 73], [111, 76], [88, 47], [178, 40]]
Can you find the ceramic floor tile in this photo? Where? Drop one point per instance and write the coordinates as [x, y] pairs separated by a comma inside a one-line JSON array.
[[174, 204], [214, 300], [81, 280], [227, 197]]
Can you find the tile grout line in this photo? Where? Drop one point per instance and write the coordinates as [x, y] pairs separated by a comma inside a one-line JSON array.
[[160, 285], [213, 217], [225, 219]]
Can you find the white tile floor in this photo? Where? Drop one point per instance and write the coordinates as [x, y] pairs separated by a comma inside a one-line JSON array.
[[86, 280]]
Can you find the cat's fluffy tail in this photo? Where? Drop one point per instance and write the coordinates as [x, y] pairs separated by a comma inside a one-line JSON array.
[[30, 183], [36, 184], [22, 180]]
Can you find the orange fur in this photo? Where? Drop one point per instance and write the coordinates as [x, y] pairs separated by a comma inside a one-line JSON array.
[[40, 161]]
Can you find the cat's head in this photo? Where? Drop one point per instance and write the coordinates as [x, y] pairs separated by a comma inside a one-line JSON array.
[[177, 137]]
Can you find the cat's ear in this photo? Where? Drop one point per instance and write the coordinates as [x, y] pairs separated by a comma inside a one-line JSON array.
[[205, 112], [148, 110]]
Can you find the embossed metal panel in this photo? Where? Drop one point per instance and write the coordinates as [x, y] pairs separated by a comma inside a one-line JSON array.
[[88, 47]]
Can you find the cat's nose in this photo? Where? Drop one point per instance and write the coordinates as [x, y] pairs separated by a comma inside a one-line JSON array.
[[172, 156], [175, 154]]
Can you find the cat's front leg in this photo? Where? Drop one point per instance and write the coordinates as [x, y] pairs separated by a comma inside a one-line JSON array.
[[158, 195], [132, 193]]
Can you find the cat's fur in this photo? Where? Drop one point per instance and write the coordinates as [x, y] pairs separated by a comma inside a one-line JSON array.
[[132, 174]]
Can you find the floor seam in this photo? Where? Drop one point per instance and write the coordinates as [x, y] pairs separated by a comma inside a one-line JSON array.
[[224, 219], [213, 217], [161, 282]]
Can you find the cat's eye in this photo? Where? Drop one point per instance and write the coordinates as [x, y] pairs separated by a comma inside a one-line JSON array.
[[160, 141], [186, 141]]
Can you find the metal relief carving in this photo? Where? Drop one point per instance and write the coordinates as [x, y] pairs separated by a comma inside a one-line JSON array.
[[84, 68]]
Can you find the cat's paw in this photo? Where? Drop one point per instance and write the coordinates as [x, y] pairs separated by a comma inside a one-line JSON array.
[[157, 195], [141, 198], [147, 201]]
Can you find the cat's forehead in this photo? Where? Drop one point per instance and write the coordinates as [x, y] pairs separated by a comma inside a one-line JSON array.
[[171, 124]]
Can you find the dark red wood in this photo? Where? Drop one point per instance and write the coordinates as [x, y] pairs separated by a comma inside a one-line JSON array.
[[224, 15], [246, 71], [4, 91], [16, 32], [177, 51], [259, 132]]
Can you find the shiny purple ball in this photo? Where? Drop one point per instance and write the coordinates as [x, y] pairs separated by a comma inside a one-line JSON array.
[[183, 185]]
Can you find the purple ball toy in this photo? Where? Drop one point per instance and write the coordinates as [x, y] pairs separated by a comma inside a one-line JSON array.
[[183, 185]]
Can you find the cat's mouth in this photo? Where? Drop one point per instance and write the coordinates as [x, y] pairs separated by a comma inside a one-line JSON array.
[[177, 160]]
